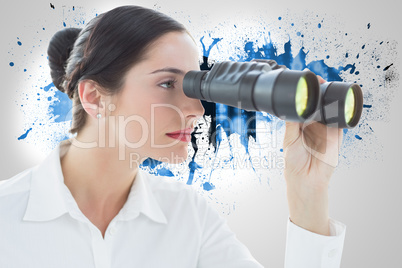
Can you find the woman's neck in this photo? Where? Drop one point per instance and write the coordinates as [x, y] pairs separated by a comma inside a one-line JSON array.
[[98, 180]]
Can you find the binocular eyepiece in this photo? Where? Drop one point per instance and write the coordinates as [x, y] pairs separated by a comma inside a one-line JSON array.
[[262, 85]]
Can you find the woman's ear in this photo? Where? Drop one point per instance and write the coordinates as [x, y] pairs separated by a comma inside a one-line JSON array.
[[90, 97]]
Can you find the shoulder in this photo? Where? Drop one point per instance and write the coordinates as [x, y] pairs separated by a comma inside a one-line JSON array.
[[14, 195], [18, 184]]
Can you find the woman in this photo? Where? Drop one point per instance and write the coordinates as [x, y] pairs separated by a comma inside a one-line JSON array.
[[89, 205]]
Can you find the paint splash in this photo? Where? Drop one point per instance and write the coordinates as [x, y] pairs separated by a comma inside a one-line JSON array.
[[229, 141], [23, 136]]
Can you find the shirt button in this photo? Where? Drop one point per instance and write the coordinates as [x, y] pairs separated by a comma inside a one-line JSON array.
[[113, 230], [332, 253]]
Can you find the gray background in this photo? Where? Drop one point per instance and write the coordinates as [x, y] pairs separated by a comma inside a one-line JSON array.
[[365, 197]]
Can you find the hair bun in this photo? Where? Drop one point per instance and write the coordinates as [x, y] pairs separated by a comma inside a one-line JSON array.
[[58, 53]]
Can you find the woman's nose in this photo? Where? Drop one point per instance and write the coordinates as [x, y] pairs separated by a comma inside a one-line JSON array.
[[192, 107]]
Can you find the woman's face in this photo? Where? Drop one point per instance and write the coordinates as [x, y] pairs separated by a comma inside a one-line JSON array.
[[153, 115]]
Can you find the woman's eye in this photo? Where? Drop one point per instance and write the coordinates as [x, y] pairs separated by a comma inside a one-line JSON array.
[[168, 84]]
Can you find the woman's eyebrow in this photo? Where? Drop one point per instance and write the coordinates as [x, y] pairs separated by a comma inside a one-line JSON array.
[[169, 70]]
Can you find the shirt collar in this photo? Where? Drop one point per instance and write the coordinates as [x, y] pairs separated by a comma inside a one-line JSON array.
[[49, 197], [45, 197], [142, 199]]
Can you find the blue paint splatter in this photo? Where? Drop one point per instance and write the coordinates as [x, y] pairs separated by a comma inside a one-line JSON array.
[[60, 108], [164, 172], [240, 119], [46, 88], [151, 163], [207, 51], [11, 64], [23, 136], [61, 105], [155, 167], [207, 186], [193, 166], [19, 43]]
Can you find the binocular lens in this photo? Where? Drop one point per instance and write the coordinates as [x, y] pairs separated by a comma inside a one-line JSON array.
[[341, 104], [301, 96], [349, 105]]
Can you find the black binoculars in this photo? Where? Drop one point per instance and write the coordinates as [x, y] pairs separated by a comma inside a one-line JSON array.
[[263, 85]]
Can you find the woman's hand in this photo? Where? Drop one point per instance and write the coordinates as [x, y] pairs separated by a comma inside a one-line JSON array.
[[311, 154]]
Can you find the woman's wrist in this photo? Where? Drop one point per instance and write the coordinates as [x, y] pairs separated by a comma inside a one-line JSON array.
[[309, 210]]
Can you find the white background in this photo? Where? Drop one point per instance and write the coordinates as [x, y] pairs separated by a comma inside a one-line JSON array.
[[366, 197]]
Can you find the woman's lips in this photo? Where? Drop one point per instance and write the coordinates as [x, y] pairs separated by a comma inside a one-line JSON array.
[[182, 135]]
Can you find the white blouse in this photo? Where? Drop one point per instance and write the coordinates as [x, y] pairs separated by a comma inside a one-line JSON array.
[[164, 223]]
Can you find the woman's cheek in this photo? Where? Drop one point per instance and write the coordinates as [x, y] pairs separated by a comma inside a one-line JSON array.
[[136, 130]]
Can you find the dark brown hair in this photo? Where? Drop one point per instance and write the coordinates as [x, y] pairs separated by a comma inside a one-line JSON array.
[[108, 46]]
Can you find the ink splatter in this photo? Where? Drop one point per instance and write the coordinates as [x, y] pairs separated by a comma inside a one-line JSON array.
[[59, 105], [46, 111], [208, 186], [364, 61], [23, 136], [229, 141]]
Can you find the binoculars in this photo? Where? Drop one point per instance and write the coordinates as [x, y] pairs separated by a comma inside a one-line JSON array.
[[263, 85]]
